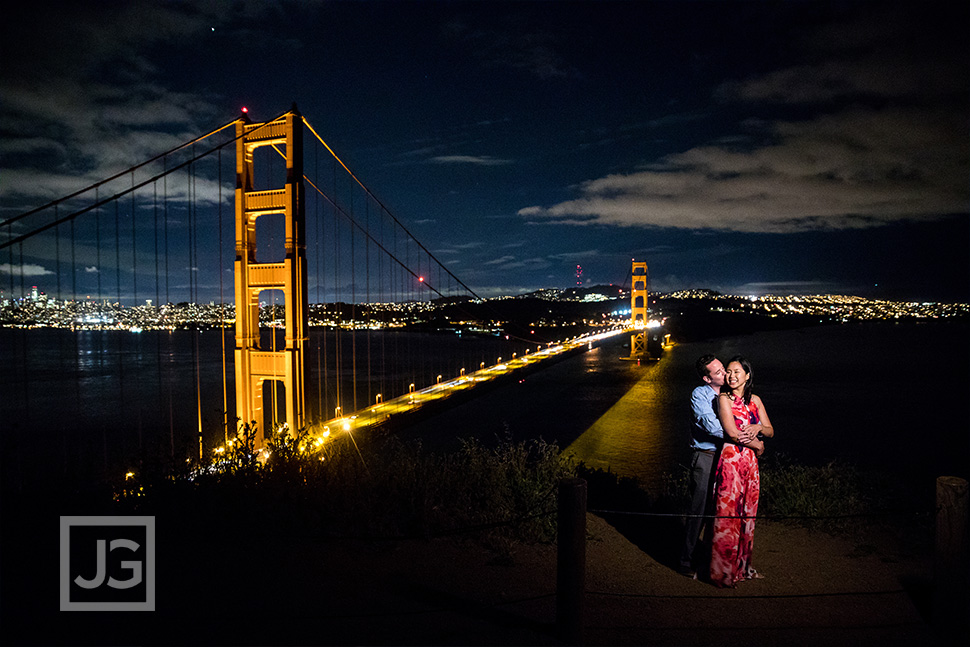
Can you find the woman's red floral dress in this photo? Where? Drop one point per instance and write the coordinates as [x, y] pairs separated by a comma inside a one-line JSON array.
[[736, 490]]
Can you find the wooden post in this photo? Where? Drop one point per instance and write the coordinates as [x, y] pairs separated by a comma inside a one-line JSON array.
[[571, 560], [951, 603]]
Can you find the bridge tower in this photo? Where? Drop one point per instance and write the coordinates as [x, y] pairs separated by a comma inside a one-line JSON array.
[[256, 366], [638, 311]]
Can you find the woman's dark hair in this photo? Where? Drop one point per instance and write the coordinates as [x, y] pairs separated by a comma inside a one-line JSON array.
[[746, 365]]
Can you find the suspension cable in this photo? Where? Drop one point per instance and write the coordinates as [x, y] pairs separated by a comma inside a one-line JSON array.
[[120, 174], [386, 210], [194, 296], [222, 313], [134, 247], [391, 255], [99, 203]]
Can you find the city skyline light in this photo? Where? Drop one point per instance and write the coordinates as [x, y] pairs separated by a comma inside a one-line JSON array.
[[748, 148]]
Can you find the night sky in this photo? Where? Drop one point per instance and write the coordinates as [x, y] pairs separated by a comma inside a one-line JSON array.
[[746, 147]]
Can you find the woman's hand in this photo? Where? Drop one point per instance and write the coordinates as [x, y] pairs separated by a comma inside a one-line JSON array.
[[755, 429], [747, 433]]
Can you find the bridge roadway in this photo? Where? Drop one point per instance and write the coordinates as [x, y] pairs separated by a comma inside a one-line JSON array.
[[381, 412]]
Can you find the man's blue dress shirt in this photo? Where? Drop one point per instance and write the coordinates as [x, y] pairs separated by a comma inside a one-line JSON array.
[[706, 432]]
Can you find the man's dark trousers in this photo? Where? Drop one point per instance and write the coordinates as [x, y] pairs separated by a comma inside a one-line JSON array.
[[701, 486]]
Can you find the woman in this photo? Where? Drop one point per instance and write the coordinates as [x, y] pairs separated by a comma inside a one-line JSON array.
[[737, 480]]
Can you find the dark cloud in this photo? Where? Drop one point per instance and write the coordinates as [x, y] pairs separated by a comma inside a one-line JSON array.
[[535, 53], [522, 138], [894, 148], [478, 160], [858, 168]]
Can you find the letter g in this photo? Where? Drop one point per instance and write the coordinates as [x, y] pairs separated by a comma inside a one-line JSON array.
[[133, 566]]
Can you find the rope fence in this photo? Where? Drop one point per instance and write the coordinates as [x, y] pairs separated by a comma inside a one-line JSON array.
[[571, 592], [774, 596], [519, 520], [442, 534], [951, 578], [767, 517]]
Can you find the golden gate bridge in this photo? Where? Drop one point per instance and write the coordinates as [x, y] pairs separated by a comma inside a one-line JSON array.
[[299, 244]]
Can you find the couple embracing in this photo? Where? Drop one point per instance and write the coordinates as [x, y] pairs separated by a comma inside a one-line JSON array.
[[729, 423]]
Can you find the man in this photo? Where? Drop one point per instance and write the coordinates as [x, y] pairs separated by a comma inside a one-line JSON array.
[[706, 439]]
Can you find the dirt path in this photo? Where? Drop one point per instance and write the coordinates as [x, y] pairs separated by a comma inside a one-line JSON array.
[[819, 589]]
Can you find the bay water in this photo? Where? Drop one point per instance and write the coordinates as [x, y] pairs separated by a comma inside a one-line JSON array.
[[881, 396]]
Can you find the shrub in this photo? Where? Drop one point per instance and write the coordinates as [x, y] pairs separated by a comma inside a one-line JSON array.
[[835, 496], [832, 497], [376, 489]]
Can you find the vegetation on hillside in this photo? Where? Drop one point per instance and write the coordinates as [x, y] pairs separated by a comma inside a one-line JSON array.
[[381, 489]]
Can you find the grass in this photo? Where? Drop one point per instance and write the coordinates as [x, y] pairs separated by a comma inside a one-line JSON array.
[[828, 496], [838, 497], [835, 497]]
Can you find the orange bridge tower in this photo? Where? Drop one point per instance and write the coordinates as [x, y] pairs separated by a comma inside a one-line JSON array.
[[256, 366], [638, 313], [638, 309]]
